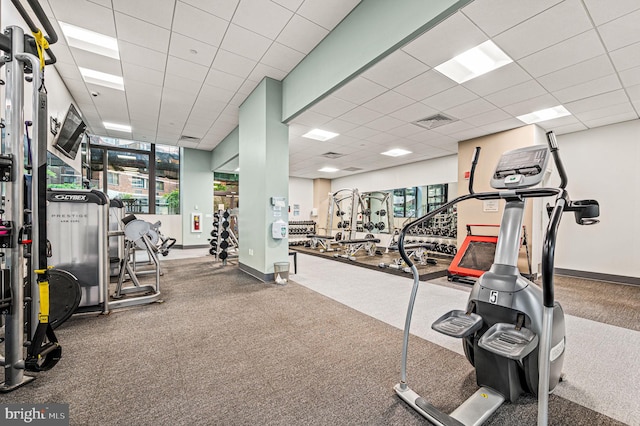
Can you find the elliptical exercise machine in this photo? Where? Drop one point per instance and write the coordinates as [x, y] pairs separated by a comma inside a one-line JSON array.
[[512, 331]]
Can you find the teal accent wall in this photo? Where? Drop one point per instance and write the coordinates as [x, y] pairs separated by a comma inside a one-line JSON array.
[[196, 195], [226, 150], [264, 173], [370, 32]]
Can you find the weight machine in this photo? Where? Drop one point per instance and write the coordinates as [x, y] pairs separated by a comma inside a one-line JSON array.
[[23, 234], [377, 205]]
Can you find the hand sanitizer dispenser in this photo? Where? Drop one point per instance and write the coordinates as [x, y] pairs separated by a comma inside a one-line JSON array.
[[279, 229]]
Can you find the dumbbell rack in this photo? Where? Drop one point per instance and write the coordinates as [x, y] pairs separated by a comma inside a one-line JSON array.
[[223, 242], [298, 231], [442, 231]]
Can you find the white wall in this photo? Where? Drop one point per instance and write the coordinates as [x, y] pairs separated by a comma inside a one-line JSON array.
[[301, 193], [171, 224], [602, 164], [438, 170]]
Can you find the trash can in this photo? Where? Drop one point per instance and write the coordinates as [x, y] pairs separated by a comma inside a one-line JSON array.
[[281, 272]]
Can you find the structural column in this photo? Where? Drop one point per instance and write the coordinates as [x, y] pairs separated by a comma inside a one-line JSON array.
[[264, 175]]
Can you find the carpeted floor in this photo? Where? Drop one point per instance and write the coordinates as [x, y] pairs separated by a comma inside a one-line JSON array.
[[225, 349]]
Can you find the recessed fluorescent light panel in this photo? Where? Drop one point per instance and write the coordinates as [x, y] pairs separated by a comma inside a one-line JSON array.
[[544, 114], [116, 126], [320, 135], [328, 170], [474, 62], [88, 40], [127, 157], [102, 78], [396, 152]]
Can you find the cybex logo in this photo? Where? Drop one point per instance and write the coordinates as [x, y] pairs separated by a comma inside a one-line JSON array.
[[69, 197]]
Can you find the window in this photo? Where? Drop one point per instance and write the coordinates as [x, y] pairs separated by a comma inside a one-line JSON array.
[[124, 170], [61, 175], [113, 178]]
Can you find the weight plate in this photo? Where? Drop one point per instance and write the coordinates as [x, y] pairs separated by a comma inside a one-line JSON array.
[[225, 234], [64, 296], [226, 214], [223, 255], [225, 224], [224, 245], [213, 251]]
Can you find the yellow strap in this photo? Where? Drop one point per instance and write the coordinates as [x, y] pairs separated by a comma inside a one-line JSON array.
[[43, 317], [42, 44]]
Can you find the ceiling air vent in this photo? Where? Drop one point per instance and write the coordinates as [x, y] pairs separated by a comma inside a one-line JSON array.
[[352, 169], [185, 138], [332, 155], [435, 121]]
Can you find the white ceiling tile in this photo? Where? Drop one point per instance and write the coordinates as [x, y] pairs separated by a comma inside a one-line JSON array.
[[186, 69], [469, 109], [413, 112], [467, 134], [621, 32], [233, 64], [501, 126], [597, 102], [245, 43], [531, 105], [591, 69], [248, 86], [191, 22], [337, 126], [142, 33], [327, 13], [455, 127], [488, 117], [382, 138], [484, 13], [600, 85], [405, 130], [221, 8], [157, 12], [518, 93], [449, 38], [142, 56], [191, 50], [388, 102], [496, 80], [292, 5], [395, 69], [134, 72], [177, 100], [261, 71], [282, 57], [571, 128], [63, 54], [569, 52], [450, 98], [217, 93], [188, 86], [558, 122], [634, 93], [385, 123], [611, 119], [301, 34], [558, 23], [237, 100], [96, 62], [630, 77], [425, 85], [333, 107], [69, 71], [360, 115], [602, 11], [312, 119], [224, 80], [359, 90], [362, 132], [263, 17], [85, 14], [627, 57]]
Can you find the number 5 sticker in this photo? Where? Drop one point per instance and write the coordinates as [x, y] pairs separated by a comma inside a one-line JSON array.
[[493, 297]]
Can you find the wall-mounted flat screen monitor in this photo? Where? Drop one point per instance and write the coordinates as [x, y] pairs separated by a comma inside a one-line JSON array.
[[70, 134]]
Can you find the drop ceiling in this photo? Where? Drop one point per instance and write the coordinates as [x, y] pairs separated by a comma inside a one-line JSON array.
[[583, 54]]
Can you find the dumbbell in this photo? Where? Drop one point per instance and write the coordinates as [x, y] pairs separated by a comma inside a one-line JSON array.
[[338, 236], [223, 255], [226, 214], [213, 243], [225, 224], [225, 234], [214, 233], [224, 245], [213, 251]]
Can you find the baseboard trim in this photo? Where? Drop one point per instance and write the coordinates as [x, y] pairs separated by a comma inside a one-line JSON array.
[[621, 279], [265, 278]]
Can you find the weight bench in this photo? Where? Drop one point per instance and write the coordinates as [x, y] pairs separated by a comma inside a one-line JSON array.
[[351, 247], [415, 250], [324, 241]]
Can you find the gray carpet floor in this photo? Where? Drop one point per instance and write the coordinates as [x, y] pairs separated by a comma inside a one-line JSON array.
[[225, 349]]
